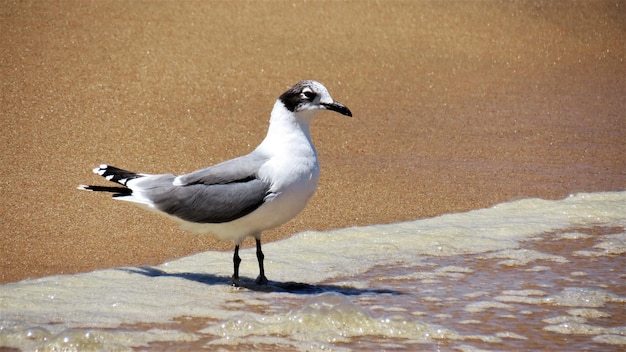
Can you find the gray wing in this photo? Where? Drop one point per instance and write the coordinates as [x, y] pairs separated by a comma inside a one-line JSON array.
[[216, 194], [229, 171]]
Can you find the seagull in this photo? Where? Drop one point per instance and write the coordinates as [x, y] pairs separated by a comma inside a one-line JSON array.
[[244, 196]]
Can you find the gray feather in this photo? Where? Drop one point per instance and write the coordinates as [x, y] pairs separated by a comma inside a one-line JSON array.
[[235, 170], [217, 194], [216, 203]]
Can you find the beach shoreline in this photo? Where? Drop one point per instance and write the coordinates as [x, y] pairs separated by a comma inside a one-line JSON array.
[[456, 107]]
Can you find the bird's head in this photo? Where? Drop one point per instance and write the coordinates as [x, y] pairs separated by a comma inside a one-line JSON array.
[[309, 97]]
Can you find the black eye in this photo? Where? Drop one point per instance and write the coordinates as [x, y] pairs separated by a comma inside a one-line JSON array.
[[308, 94]]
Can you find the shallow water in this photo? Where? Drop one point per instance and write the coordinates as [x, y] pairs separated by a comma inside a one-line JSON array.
[[526, 275]]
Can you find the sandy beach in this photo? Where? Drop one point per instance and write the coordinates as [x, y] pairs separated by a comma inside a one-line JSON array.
[[457, 106]]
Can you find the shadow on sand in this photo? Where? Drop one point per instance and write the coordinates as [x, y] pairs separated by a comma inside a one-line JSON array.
[[271, 286]]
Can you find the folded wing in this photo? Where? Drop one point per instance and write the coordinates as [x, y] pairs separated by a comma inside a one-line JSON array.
[[216, 194]]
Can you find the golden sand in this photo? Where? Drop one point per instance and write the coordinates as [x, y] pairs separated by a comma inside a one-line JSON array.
[[457, 106]]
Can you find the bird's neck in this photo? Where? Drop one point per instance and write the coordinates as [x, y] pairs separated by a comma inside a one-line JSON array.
[[287, 130]]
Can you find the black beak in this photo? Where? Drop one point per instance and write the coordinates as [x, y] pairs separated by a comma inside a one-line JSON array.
[[338, 107]]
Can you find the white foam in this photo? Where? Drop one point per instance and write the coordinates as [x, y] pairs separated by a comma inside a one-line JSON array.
[[584, 297], [523, 257], [87, 306]]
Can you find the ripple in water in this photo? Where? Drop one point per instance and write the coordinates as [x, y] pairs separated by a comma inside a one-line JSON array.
[[525, 275]]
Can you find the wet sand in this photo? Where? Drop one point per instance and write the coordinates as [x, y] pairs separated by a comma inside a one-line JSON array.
[[457, 106]]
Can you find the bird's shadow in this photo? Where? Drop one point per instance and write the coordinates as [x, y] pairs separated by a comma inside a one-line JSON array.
[[272, 286]]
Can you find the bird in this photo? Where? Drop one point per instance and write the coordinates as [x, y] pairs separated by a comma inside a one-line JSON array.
[[244, 196]]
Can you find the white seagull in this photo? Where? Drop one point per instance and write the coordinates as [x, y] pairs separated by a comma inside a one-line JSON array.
[[244, 196]]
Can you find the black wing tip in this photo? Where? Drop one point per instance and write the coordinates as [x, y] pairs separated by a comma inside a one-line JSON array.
[[115, 174], [117, 191]]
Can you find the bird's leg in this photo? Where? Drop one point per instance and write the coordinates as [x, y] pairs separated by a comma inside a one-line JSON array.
[[261, 279], [236, 262]]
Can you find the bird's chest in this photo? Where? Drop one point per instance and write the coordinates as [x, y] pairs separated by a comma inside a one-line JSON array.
[[294, 180], [295, 174]]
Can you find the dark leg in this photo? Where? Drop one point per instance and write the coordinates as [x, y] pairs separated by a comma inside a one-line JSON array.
[[236, 262], [261, 280]]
